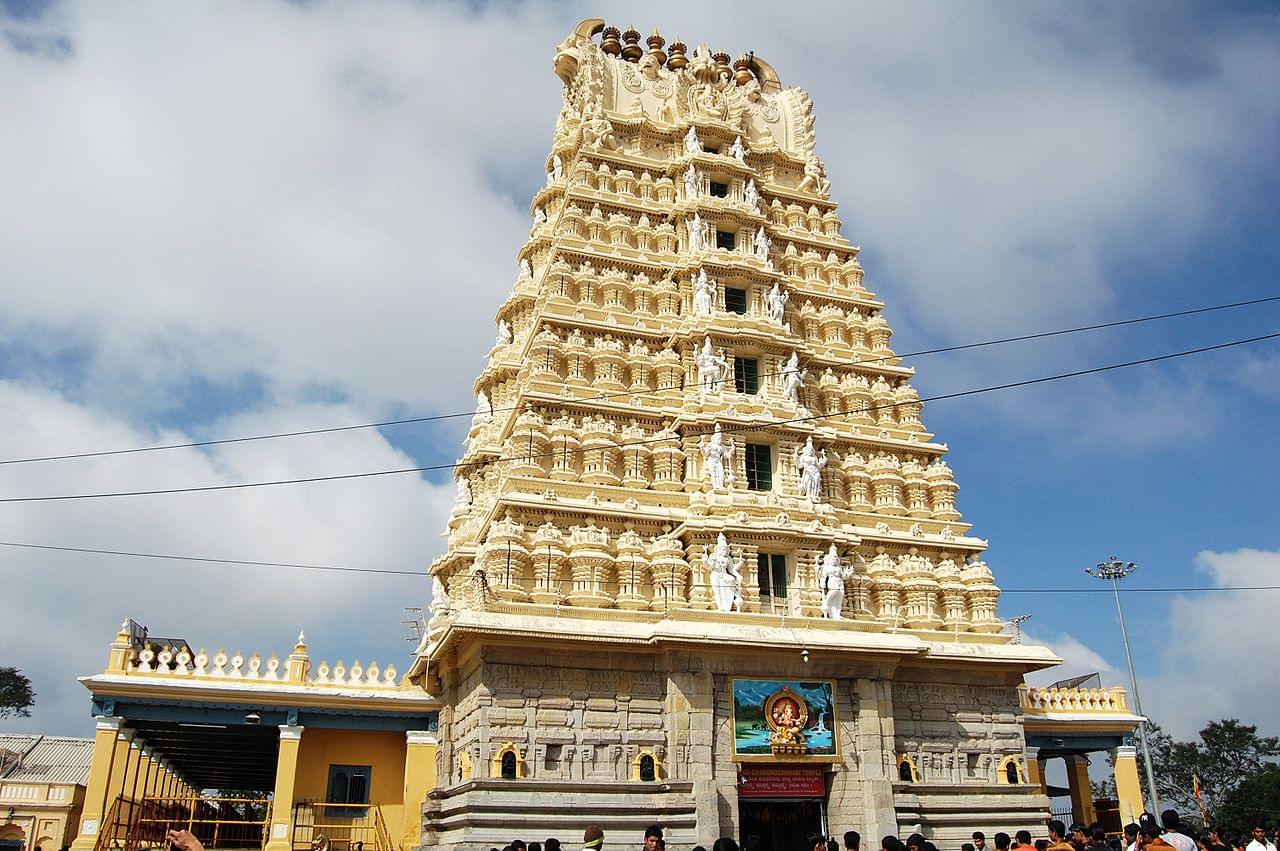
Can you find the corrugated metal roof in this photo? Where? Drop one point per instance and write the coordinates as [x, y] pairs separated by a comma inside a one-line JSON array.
[[47, 759]]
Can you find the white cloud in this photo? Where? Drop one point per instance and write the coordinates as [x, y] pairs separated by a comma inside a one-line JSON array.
[[1220, 654], [58, 611], [1077, 658]]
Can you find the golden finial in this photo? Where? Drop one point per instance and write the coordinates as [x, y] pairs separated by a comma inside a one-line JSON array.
[[609, 41], [655, 42], [631, 50], [742, 70], [678, 58]]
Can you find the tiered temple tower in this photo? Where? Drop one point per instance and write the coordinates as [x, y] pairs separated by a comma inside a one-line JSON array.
[[697, 484]]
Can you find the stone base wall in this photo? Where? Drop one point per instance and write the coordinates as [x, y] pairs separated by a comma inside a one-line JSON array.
[[483, 814], [949, 815], [579, 721]]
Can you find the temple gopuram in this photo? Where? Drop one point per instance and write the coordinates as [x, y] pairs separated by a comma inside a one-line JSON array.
[[705, 566]]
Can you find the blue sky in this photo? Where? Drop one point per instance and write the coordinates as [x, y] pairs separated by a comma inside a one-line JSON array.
[[226, 218]]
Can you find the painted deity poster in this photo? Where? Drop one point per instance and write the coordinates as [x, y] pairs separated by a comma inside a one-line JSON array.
[[784, 719]]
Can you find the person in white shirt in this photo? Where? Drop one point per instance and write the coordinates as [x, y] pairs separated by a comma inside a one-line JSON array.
[[1173, 834], [1260, 841]]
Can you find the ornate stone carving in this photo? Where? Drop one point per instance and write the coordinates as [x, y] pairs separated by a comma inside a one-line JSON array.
[[725, 572], [717, 455]]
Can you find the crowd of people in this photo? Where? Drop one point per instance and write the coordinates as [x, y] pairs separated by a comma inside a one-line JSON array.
[[1146, 834]]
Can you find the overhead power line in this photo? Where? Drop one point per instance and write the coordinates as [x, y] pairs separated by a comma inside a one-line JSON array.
[[424, 574], [624, 444], [625, 393]]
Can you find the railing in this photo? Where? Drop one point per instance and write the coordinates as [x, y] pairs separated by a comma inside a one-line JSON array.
[[114, 828], [1080, 700], [237, 666], [340, 827], [216, 822]]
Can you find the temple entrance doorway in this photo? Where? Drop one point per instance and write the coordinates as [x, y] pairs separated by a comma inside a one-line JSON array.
[[782, 804], [783, 824]]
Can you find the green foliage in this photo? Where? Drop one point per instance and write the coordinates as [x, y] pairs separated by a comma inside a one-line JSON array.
[[1227, 754], [16, 696], [1255, 798]]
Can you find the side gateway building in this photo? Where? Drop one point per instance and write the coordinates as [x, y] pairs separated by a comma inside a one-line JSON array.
[[704, 569]]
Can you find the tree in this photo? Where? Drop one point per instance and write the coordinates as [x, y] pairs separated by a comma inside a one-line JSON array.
[[1227, 754], [16, 695], [1257, 797]]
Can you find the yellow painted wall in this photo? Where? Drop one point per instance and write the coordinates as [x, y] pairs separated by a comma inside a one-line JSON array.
[[383, 751]]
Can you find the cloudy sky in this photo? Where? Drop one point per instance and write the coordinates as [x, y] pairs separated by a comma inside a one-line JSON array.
[[225, 218]]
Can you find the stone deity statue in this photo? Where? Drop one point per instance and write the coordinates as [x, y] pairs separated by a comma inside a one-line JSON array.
[[539, 217], [810, 464], [597, 130], [778, 298], [439, 596], [725, 572], [691, 143], [736, 150], [713, 369], [704, 295], [691, 182], [831, 578], [750, 194], [697, 233], [462, 500], [761, 243], [557, 170], [718, 456], [526, 271], [793, 378], [484, 411], [815, 177], [504, 333]]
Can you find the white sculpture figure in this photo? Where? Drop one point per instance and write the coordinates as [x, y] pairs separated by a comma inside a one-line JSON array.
[[697, 233], [815, 177], [439, 596], [526, 271], [778, 298], [704, 294], [691, 182], [762, 244], [539, 217], [557, 170], [484, 411], [831, 578], [712, 369], [751, 195], [597, 130], [504, 333], [736, 150], [810, 464], [726, 575], [462, 500], [792, 378], [718, 455], [691, 143]]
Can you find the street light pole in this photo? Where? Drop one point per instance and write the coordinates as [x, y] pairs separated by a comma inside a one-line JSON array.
[[1115, 570]]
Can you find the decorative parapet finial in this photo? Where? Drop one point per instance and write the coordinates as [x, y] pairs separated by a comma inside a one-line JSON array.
[[121, 650], [298, 664]]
